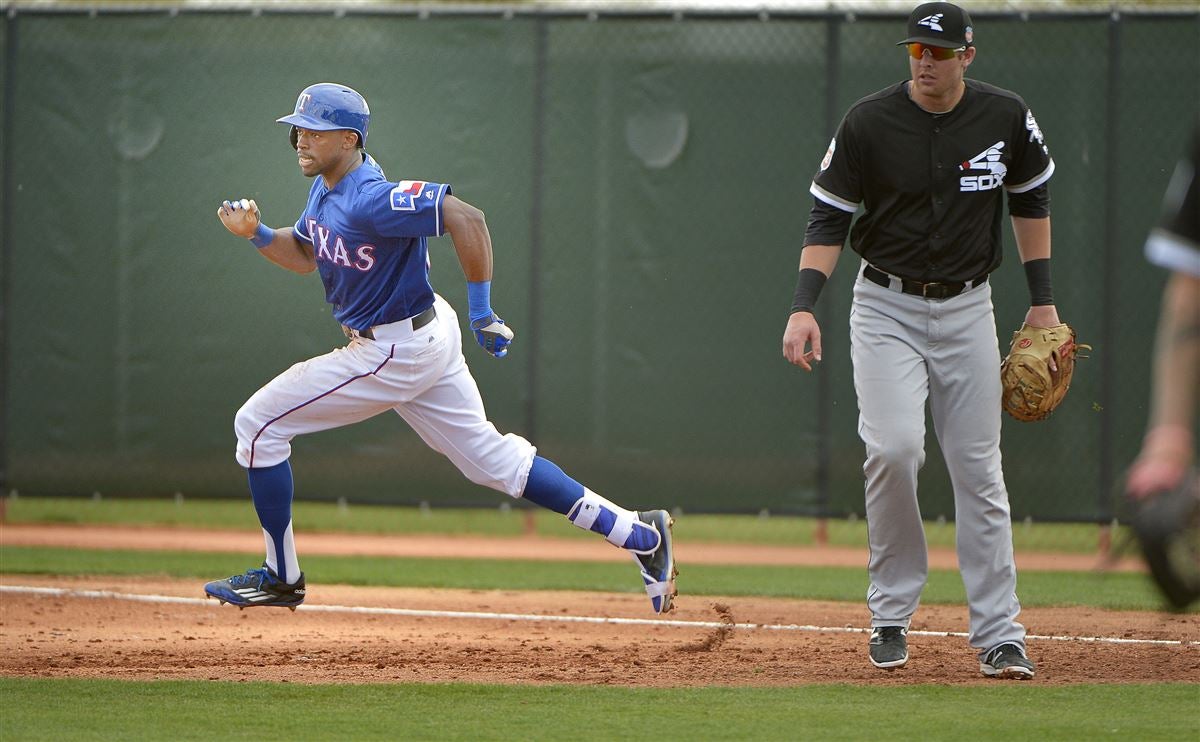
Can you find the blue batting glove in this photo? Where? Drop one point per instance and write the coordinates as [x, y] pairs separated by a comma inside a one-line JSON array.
[[492, 334]]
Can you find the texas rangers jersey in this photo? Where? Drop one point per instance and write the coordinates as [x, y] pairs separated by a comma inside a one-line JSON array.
[[931, 184], [1175, 243], [369, 239]]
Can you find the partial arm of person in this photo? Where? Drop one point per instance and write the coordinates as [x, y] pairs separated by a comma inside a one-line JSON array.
[[1033, 245], [473, 244], [802, 327], [242, 218], [1168, 445]]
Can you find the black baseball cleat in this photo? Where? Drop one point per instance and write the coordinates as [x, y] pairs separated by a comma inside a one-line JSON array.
[[889, 647], [1007, 662], [257, 587], [658, 567]]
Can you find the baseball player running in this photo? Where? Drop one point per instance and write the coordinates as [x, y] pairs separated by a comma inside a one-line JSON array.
[[928, 160], [366, 236]]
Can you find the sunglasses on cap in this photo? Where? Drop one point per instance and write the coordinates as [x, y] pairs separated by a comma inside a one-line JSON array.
[[916, 50]]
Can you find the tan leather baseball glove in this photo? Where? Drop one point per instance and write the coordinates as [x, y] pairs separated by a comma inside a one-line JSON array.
[[1031, 390]]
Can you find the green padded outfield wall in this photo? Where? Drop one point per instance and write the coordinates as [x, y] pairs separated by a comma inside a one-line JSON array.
[[645, 180]]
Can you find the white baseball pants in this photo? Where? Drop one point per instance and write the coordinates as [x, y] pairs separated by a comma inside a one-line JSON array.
[[421, 374], [908, 350]]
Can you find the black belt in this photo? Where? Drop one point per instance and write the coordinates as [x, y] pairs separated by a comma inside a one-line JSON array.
[[931, 290], [418, 322]]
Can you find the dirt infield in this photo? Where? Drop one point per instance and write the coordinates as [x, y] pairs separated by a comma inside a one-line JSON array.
[[75, 636]]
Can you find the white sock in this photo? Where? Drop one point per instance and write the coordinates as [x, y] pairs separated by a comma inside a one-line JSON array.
[[289, 570], [619, 526]]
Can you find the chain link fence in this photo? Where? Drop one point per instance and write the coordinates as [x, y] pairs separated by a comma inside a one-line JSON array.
[[645, 179]]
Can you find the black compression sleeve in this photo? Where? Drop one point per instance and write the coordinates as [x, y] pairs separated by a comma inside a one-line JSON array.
[[1037, 275], [808, 288]]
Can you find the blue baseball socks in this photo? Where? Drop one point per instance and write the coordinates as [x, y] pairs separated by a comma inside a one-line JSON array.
[[271, 490], [551, 488]]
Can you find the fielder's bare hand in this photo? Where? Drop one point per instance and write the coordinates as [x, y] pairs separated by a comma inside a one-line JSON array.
[[1040, 316], [240, 216], [802, 329]]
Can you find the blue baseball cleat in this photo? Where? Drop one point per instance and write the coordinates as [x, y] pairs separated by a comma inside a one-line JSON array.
[[257, 587], [658, 567]]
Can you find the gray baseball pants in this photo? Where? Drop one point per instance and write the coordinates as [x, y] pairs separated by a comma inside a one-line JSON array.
[[907, 350]]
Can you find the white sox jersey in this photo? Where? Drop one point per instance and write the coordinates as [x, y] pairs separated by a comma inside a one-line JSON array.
[[931, 184]]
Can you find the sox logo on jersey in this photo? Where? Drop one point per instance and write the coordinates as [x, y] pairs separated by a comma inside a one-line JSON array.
[[989, 160]]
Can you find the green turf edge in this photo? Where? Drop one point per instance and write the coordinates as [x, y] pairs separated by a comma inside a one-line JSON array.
[[507, 521], [69, 709], [1113, 591]]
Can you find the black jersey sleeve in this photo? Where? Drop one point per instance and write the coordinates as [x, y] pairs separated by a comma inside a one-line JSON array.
[[1181, 204], [1175, 242], [838, 182], [1032, 165]]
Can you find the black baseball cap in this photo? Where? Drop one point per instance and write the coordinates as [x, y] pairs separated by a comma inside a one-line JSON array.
[[940, 24]]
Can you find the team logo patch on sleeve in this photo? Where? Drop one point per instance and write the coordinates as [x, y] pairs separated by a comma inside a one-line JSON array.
[[1035, 131], [404, 195], [829, 154]]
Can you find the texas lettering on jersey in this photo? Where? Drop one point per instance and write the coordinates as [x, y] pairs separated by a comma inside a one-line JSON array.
[[331, 248]]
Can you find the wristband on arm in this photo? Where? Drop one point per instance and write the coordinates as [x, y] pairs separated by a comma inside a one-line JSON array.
[[808, 288], [1037, 275], [479, 299], [263, 236]]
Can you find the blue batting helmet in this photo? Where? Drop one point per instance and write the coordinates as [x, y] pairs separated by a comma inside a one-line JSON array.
[[327, 106]]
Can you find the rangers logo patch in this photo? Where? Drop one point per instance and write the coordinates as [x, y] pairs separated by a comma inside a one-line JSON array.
[[404, 195]]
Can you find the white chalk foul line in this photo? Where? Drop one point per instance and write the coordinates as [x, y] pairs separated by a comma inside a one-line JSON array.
[[489, 616]]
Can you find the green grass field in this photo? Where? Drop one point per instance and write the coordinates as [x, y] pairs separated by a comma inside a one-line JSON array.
[[1114, 591], [508, 521], [37, 709], [174, 710]]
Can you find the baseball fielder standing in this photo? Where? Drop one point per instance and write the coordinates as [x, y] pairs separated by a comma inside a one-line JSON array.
[[366, 236], [928, 160]]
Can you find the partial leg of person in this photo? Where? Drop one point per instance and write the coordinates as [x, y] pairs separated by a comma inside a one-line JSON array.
[[965, 403], [336, 389], [891, 381], [449, 416], [646, 535]]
